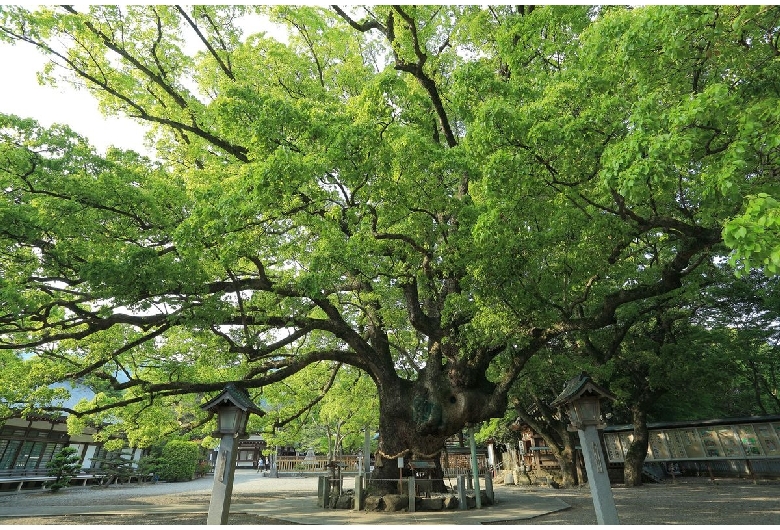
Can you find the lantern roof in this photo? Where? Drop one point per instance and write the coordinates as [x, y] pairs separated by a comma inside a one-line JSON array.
[[232, 396], [579, 386]]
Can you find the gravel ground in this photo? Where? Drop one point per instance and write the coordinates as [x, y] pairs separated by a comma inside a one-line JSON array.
[[693, 501], [248, 488]]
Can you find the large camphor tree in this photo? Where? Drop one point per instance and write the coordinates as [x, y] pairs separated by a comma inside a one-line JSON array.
[[430, 194]]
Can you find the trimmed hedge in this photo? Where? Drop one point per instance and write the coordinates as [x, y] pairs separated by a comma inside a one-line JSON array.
[[178, 461]]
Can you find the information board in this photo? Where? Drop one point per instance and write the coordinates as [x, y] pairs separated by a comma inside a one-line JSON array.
[[768, 438], [658, 448], [749, 440]]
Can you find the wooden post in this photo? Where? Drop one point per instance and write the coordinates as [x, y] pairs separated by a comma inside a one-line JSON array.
[[367, 455], [750, 471], [400, 474]]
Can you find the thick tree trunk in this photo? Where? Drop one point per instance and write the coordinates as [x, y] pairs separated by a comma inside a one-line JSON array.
[[562, 446], [567, 460], [637, 451], [400, 437], [417, 417]]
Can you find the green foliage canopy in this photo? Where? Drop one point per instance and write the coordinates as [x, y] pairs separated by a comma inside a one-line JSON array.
[[430, 194]]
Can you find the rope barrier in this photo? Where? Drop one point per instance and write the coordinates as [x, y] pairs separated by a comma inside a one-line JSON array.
[[392, 457], [406, 451]]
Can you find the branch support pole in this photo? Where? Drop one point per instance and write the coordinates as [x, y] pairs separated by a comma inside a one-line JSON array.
[[475, 468]]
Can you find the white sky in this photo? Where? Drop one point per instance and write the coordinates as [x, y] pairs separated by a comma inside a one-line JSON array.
[[21, 94]]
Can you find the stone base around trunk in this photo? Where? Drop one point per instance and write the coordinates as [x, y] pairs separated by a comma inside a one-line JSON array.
[[400, 503]]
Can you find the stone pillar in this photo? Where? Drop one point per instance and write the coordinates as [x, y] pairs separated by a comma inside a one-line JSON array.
[[489, 487], [412, 497], [325, 492], [274, 463], [320, 491], [475, 468], [598, 478], [358, 493], [224, 471], [462, 503]]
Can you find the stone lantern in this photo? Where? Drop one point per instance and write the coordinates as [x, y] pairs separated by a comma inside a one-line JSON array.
[[232, 408], [581, 397]]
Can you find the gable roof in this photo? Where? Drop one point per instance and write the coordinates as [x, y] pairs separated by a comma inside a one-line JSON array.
[[234, 396]]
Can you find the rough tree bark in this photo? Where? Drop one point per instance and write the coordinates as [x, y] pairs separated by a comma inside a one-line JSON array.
[[635, 457], [416, 417]]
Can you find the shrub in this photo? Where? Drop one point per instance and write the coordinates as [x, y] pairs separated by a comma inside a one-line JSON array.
[[149, 465], [178, 460], [203, 468], [64, 466], [115, 468]]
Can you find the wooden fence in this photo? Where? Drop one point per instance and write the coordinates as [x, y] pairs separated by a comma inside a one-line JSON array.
[[292, 464], [454, 465], [460, 464]]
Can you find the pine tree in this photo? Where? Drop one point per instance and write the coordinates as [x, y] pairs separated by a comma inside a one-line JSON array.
[[63, 466]]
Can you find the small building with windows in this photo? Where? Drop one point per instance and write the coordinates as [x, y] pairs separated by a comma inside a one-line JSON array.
[[27, 445], [250, 452]]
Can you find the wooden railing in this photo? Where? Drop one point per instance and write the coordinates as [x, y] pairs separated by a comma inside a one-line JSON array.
[[458, 464], [461, 465], [292, 464], [22, 472]]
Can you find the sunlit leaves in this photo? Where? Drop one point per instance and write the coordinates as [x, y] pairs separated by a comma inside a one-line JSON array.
[[755, 235], [333, 424]]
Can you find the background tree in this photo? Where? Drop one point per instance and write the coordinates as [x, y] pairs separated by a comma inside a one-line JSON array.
[[320, 408], [542, 382], [114, 468], [347, 410], [429, 194], [715, 341]]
